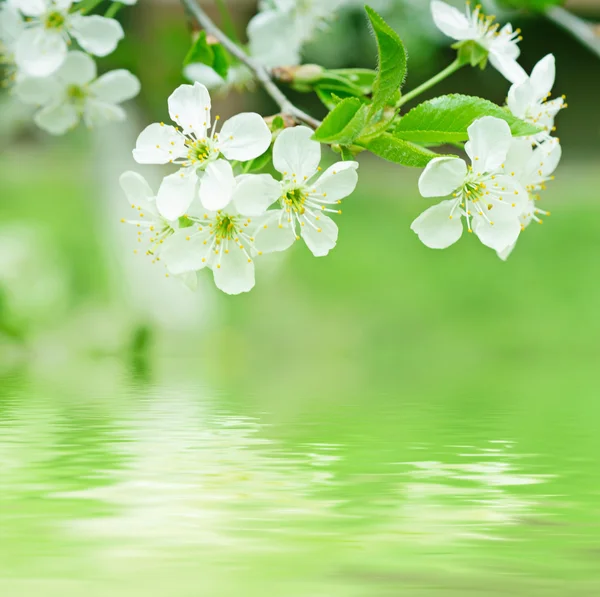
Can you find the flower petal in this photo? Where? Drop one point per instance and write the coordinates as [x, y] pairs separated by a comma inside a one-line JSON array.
[[520, 98], [78, 69], [234, 271], [439, 226], [116, 86], [137, 191], [499, 236], [244, 137], [519, 155], [38, 91], [217, 185], [159, 144], [320, 233], [506, 252], [273, 39], [187, 250], [295, 154], [57, 119], [39, 52], [274, 232], [543, 76], [95, 34], [31, 8], [488, 145], [506, 65], [97, 113], [337, 182], [450, 21], [189, 107], [254, 193], [442, 176], [202, 73], [176, 193], [543, 162]]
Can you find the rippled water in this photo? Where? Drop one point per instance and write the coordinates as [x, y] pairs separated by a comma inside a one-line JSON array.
[[120, 484]]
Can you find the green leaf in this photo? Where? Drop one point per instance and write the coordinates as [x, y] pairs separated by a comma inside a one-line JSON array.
[[344, 123], [392, 61], [258, 163], [213, 55], [346, 154], [396, 150], [446, 119], [363, 78]]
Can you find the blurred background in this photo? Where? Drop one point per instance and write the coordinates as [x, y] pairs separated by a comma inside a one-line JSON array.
[[390, 420]]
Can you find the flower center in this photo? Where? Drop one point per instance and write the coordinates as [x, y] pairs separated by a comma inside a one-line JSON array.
[[225, 226], [198, 151], [54, 20], [295, 199], [76, 94]]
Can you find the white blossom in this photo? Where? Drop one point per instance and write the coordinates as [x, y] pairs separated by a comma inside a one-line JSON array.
[[154, 231], [528, 100], [489, 199], [474, 26], [238, 77], [533, 168], [305, 197], [42, 46], [12, 26], [223, 240], [196, 146], [74, 93]]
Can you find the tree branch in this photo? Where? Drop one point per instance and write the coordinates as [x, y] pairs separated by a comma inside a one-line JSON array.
[[261, 73], [576, 26]]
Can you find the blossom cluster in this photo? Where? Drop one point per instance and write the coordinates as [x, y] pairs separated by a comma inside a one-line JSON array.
[[496, 195], [36, 37], [207, 215]]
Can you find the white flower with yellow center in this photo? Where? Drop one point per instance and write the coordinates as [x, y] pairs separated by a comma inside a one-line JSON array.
[[488, 198], [74, 93], [305, 198], [196, 147], [154, 231], [533, 168], [501, 45], [528, 100], [42, 47], [223, 239]]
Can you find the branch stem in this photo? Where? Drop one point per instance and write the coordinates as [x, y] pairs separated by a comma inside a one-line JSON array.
[[450, 69], [576, 26], [260, 72]]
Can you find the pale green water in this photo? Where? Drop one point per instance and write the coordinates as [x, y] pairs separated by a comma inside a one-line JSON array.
[[153, 482]]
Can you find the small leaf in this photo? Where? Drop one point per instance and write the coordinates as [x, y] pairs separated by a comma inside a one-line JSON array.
[[346, 154], [344, 123], [213, 55], [396, 150], [392, 61], [446, 119], [258, 163]]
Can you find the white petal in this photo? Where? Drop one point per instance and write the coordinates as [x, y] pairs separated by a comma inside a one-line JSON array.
[[439, 226], [97, 113], [159, 144], [116, 86], [507, 66], [442, 176], [520, 98], [506, 252], [39, 52], [273, 39], [11, 24], [31, 8], [176, 193], [337, 182], [217, 185], [38, 91], [450, 21], [204, 74], [189, 279], [500, 236], [295, 153], [255, 193], [543, 162], [488, 145], [236, 271], [543, 76], [137, 191], [513, 194], [189, 107], [271, 235], [187, 250], [244, 137], [95, 34], [78, 69], [57, 119], [519, 155], [320, 235]]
